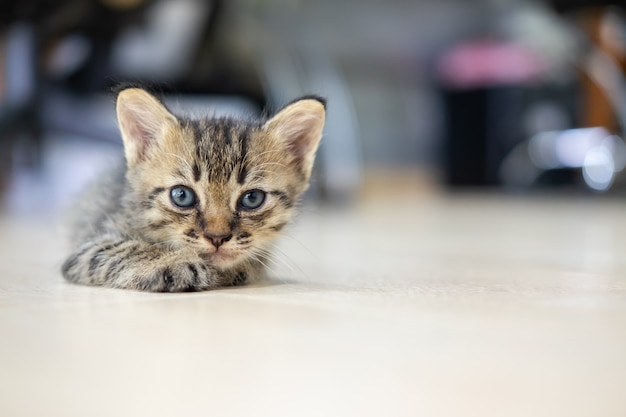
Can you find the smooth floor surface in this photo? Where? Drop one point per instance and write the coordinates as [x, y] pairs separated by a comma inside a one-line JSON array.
[[404, 304]]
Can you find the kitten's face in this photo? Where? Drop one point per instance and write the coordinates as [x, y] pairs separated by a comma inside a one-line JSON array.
[[220, 187], [221, 190]]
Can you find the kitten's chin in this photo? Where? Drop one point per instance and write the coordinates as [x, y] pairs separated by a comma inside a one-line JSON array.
[[222, 259]]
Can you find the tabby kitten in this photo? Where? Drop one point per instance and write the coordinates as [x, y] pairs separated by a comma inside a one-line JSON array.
[[198, 201]]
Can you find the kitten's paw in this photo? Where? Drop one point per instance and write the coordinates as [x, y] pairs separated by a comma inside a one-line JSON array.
[[179, 276], [173, 272], [240, 278]]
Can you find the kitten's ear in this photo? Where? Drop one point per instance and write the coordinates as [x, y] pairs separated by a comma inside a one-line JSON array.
[[142, 120], [298, 126]]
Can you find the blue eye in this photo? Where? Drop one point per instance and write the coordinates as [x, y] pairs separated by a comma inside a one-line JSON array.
[[252, 200], [182, 196]]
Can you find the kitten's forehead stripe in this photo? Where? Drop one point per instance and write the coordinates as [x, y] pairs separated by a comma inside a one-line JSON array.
[[221, 148], [242, 174], [196, 171], [244, 137], [196, 129], [227, 133]]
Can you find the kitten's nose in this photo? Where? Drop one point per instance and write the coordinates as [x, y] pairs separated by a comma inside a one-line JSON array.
[[217, 240]]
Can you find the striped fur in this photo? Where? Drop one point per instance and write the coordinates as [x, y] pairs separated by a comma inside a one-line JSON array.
[[127, 230]]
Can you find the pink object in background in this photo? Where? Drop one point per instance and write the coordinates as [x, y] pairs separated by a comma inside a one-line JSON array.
[[489, 64]]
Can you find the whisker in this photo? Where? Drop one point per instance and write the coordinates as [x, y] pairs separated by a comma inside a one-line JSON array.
[[271, 163], [250, 158], [302, 245], [281, 258], [257, 257], [284, 259], [261, 167]]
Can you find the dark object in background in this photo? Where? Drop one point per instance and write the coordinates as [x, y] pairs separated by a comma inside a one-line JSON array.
[[32, 96], [485, 86], [570, 5], [29, 29], [482, 126]]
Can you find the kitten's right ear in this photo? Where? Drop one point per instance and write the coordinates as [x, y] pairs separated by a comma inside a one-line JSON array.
[[143, 120]]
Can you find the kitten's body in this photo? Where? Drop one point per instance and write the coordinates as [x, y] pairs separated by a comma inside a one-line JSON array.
[[198, 201]]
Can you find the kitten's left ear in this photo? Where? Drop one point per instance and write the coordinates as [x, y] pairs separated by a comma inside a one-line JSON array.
[[299, 127]]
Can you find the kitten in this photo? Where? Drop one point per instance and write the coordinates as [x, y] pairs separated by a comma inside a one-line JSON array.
[[198, 201]]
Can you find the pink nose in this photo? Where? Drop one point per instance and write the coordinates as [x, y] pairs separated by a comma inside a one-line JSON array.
[[216, 240]]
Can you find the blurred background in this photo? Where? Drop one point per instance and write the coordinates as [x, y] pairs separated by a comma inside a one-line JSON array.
[[510, 95]]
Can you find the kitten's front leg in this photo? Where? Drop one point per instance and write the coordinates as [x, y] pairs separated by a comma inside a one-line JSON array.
[[134, 264]]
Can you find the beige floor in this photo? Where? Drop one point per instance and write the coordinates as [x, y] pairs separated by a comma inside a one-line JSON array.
[[407, 304]]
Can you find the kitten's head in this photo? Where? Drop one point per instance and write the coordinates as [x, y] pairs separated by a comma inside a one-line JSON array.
[[221, 187]]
